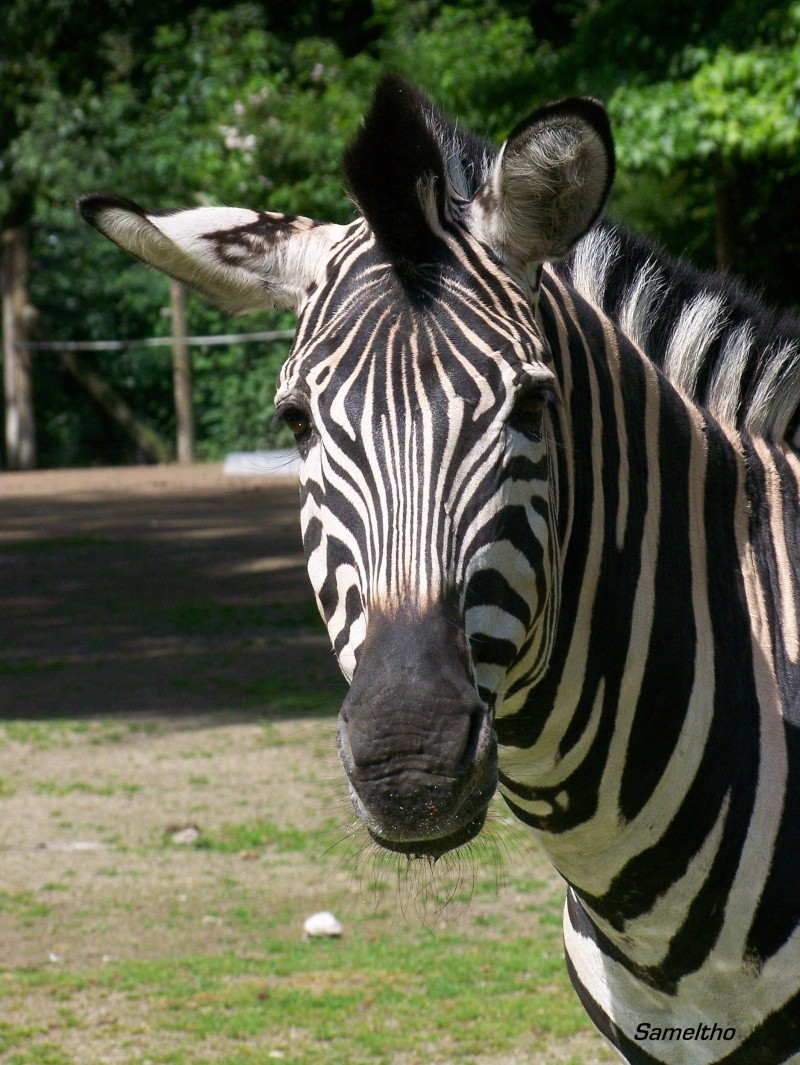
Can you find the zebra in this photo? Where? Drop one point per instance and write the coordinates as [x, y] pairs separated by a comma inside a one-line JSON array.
[[710, 337], [550, 509]]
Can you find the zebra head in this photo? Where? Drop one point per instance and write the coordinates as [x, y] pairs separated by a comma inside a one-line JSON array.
[[425, 405]]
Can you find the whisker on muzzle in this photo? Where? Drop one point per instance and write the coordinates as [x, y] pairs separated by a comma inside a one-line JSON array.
[[428, 890]]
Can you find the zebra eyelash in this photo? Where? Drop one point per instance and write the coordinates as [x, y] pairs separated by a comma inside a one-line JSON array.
[[544, 396], [284, 409], [530, 422]]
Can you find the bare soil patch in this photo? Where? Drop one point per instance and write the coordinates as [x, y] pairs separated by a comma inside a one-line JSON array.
[[166, 614], [165, 590]]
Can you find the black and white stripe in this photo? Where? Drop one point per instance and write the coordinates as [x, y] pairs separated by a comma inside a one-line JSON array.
[[380, 532], [711, 338], [585, 469]]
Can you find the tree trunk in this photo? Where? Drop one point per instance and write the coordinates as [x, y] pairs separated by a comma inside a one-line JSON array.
[[20, 425], [182, 374], [726, 221], [150, 442]]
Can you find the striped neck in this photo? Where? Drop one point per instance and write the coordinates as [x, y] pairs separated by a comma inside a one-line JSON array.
[[598, 754]]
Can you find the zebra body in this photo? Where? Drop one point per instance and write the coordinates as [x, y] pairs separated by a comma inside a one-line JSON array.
[[665, 782], [544, 565]]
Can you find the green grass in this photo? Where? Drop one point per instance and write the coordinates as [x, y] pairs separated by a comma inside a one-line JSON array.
[[365, 998], [211, 617], [14, 1037], [207, 965], [83, 787], [40, 735], [39, 1054], [275, 692], [259, 835], [290, 692], [23, 904], [272, 736], [29, 667], [58, 731]]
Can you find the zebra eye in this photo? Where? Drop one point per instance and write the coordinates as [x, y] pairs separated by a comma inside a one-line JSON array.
[[295, 419], [531, 401], [526, 414]]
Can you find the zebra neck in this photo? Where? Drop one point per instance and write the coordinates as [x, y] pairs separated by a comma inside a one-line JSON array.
[[601, 754]]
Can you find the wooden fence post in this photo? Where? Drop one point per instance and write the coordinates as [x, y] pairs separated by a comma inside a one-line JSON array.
[[20, 426], [181, 373]]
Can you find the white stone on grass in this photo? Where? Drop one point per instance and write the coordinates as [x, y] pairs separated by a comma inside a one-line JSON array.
[[185, 837], [321, 925]]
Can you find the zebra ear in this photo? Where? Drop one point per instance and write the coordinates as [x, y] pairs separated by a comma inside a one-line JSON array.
[[396, 173], [549, 184], [241, 260]]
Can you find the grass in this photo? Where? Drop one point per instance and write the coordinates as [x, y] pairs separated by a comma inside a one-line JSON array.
[[287, 691], [193, 955], [275, 692], [257, 835], [83, 787], [24, 905], [211, 617], [29, 667], [36, 1053], [41, 734], [61, 731], [366, 998]]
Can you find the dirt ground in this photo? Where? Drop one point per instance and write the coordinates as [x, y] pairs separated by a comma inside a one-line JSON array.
[[173, 601], [151, 590], [160, 662]]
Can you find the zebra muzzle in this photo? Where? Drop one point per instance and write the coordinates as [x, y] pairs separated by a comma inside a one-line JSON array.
[[414, 737]]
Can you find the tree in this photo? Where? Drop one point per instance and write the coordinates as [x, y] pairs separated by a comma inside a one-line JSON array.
[[253, 103], [720, 113]]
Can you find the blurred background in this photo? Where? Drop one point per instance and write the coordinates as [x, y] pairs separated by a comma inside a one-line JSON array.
[[176, 103]]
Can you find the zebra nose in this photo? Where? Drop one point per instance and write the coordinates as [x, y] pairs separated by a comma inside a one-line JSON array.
[[421, 793], [477, 738], [413, 729], [414, 737]]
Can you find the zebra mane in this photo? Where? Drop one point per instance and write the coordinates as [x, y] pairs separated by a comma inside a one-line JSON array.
[[409, 166], [719, 343]]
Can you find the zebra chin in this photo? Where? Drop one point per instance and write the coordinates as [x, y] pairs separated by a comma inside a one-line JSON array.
[[424, 815], [446, 838]]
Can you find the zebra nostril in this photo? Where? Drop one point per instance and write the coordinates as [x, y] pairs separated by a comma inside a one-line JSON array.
[[476, 739], [343, 743]]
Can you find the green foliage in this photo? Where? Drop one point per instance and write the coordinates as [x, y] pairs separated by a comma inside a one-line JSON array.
[[478, 60], [721, 105], [253, 104], [722, 127]]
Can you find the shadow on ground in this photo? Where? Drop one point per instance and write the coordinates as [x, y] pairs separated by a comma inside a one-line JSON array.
[[167, 591]]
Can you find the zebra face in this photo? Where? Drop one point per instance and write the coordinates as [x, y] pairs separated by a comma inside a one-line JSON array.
[[426, 411], [423, 422]]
